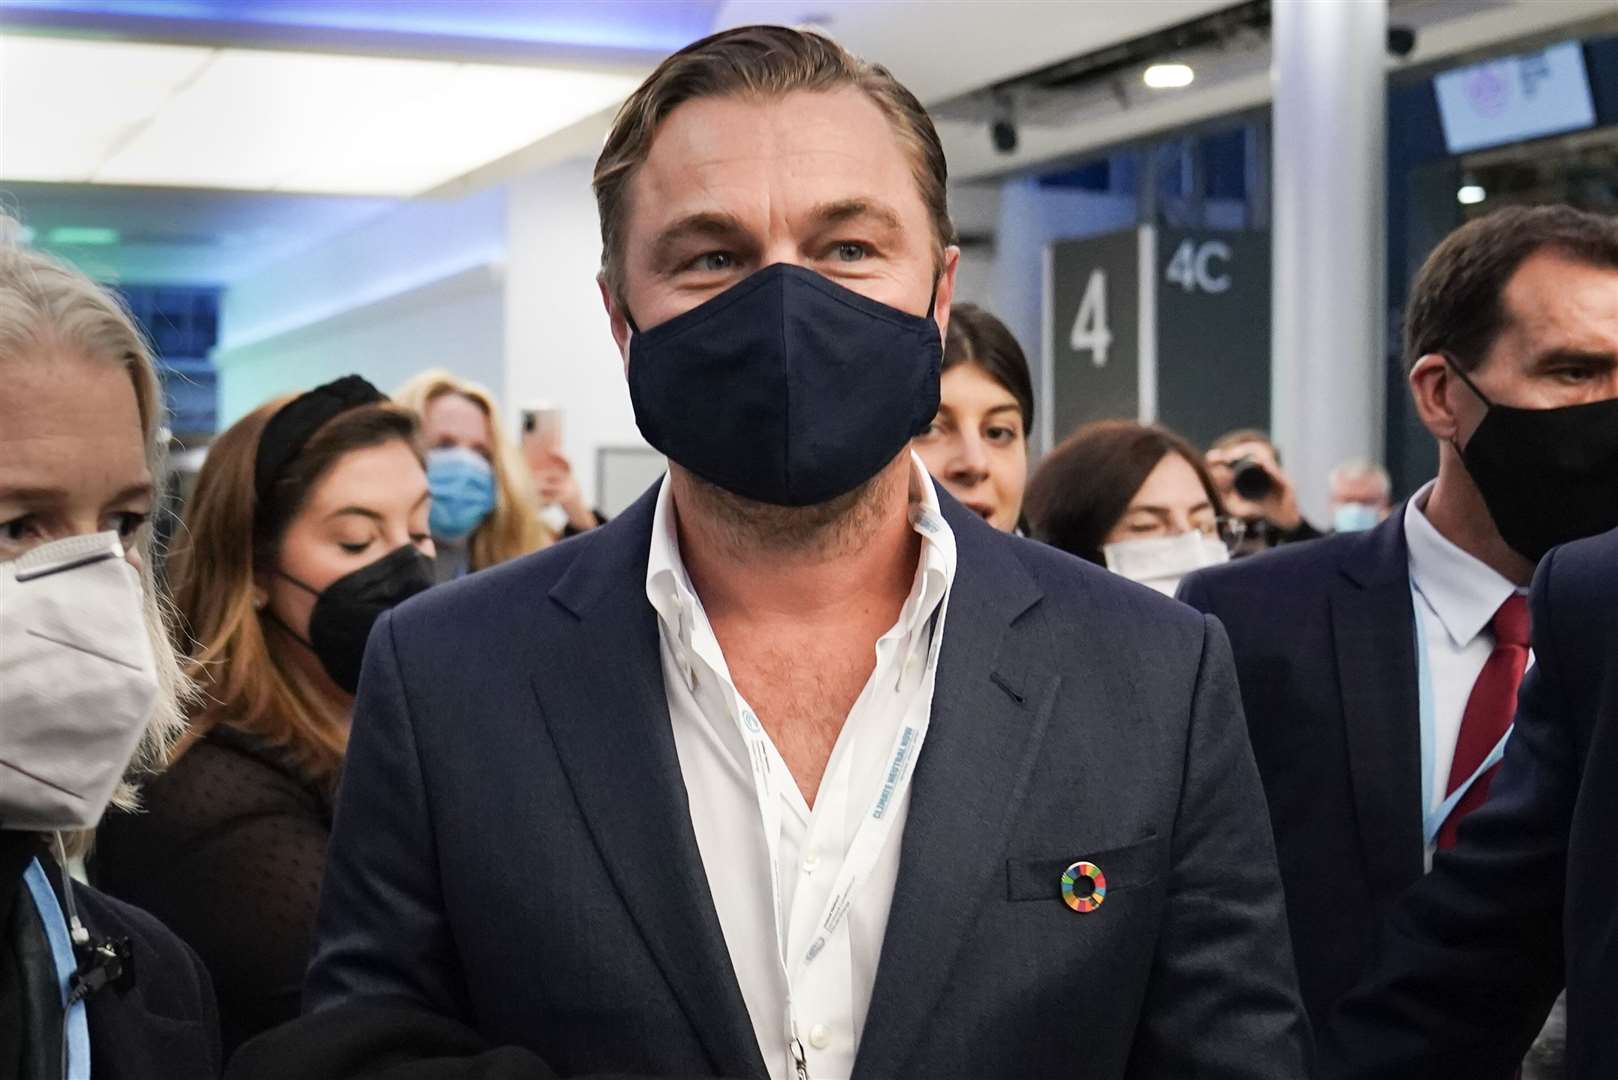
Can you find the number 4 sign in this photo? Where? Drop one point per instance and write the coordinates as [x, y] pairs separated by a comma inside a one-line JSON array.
[[1090, 333]]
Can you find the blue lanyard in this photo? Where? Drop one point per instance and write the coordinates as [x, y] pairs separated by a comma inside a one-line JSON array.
[[1433, 823], [1435, 820], [75, 1025]]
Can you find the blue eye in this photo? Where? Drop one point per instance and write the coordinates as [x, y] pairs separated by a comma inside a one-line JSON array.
[[851, 252], [715, 261]]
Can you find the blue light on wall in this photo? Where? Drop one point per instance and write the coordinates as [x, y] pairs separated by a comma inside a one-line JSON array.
[[661, 25]]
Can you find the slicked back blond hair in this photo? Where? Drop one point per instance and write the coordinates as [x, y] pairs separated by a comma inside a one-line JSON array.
[[760, 62], [49, 308]]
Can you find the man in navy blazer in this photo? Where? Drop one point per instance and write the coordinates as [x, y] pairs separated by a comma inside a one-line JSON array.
[[1362, 657], [1528, 899], [514, 848], [588, 793]]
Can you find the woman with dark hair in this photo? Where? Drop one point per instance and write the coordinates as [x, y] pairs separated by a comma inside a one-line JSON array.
[[1133, 498], [308, 521], [977, 446]]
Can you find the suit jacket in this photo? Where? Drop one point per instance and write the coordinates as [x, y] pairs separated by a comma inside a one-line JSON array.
[[1477, 952], [513, 848], [1325, 646]]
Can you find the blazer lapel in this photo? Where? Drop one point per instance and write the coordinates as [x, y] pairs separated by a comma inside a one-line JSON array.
[[1373, 625], [990, 709], [611, 729]]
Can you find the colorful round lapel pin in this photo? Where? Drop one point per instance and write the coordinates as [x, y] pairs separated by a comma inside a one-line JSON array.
[[1084, 886]]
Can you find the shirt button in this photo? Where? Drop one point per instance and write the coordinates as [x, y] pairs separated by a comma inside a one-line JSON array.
[[810, 861], [820, 1036]]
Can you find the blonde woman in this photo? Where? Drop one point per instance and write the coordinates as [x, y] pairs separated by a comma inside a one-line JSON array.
[[308, 521], [485, 510], [90, 691]]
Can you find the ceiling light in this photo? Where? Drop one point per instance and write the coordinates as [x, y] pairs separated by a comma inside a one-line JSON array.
[[1471, 194], [81, 235], [183, 116], [1168, 76]]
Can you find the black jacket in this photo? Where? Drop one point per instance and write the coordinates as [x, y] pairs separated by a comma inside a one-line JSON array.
[[1476, 953], [1325, 645], [233, 818], [158, 1024]]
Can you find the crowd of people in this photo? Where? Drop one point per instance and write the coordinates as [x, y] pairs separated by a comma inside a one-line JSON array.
[[850, 748]]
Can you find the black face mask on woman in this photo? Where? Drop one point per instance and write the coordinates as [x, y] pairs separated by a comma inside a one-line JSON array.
[[786, 388], [346, 609], [1548, 476]]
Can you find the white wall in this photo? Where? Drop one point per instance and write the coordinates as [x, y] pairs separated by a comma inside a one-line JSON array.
[[558, 344], [418, 287], [455, 323], [498, 287], [974, 276]]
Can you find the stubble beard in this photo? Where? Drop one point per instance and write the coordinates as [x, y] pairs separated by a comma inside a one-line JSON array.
[[822, 531]]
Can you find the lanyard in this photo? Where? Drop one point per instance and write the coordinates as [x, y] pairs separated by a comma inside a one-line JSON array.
[[75, 1025], [869, 839], [1433, 823], [1435, 820]]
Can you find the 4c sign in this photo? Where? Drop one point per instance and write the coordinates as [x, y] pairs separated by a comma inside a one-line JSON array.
[[1194, 268]]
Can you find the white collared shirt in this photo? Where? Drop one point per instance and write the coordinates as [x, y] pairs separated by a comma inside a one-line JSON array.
[[1455, 597], [832, 996]]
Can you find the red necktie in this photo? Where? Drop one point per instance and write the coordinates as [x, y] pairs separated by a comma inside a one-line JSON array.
[[1488, 711]]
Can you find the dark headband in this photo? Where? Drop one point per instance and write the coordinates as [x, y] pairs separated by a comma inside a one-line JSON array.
[[296, 422]]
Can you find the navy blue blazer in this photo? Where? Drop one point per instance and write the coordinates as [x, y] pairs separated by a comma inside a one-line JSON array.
[[1325, 645], [1528, 898], [513, 847]]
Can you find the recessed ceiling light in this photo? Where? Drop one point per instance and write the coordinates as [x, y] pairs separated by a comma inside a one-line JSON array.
[[1168, 76], [82, 235], [1471, 194]]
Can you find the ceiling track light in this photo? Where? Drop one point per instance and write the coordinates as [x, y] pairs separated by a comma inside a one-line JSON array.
[[1168, 76]]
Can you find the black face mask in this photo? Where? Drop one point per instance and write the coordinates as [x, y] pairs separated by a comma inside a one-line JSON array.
[[1548, 476], [786, 388], [346, 609]]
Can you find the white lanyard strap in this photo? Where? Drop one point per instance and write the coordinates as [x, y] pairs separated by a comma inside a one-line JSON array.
[[75, 1023], [869, 839]]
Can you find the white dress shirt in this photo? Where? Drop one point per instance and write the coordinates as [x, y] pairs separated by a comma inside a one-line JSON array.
[[1455, 597], [830, 999]]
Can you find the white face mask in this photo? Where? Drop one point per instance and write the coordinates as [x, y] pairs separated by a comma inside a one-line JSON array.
[[1163, 560], [77, 681]]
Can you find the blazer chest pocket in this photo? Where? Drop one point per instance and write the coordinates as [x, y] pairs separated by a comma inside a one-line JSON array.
[[1121, 868]]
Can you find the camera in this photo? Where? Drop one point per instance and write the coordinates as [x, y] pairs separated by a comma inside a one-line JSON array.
[[1251, 480]]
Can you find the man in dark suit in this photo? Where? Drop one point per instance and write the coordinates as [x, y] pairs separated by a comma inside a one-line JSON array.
[[1528, 899], [797, 768], [1379, 669]]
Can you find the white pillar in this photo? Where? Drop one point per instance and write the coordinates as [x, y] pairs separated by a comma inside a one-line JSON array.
[[1329, 223]]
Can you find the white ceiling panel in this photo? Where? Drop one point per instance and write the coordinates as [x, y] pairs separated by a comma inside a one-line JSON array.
[[121, 113]]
